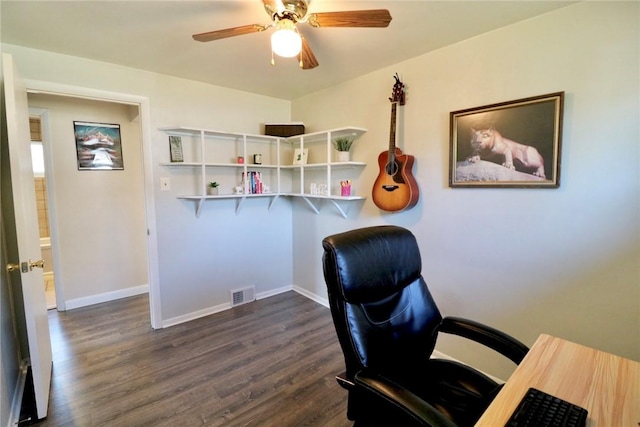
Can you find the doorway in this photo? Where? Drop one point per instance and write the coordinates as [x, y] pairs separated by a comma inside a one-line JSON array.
[[97, 214], [136, 110], [38, 147]]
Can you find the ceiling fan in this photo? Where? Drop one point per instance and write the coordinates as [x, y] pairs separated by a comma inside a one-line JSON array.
[[286, 14]]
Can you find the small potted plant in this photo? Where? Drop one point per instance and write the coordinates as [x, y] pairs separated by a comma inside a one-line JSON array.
[[212, 188], [342, 146]]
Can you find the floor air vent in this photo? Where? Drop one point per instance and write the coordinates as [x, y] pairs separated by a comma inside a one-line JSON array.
[[243, 296]]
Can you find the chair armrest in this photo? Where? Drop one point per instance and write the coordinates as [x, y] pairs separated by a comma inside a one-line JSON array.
[[344, 382], [423, 413], [485, 335]]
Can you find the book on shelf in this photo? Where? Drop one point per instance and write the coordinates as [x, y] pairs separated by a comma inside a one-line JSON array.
[[252, 182]]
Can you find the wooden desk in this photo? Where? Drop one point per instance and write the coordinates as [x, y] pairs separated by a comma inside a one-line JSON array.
[[606, 385]]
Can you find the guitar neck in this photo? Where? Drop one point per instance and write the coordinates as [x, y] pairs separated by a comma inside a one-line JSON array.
[[392, 130]]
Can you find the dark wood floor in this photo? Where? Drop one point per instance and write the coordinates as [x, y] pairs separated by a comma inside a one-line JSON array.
[[267, 363]]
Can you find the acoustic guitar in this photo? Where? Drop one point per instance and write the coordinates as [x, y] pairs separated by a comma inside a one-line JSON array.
[[395, 188]]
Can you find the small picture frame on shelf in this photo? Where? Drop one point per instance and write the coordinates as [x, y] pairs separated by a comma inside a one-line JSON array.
[[175, 146], [300, 156]]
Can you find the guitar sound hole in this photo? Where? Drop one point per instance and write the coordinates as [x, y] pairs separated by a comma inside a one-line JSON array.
[[391, 168]]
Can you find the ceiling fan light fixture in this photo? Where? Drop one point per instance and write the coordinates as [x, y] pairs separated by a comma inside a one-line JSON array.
[[286, 42]]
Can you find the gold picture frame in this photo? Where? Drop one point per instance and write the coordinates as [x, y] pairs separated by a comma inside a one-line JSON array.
[[509, 144]]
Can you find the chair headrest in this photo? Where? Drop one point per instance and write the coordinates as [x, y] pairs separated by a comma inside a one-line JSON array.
[[369, 264]]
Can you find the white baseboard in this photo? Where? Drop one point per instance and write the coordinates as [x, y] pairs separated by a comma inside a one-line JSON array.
[[106, 297], [196, 315], [18, 393], [311, 296], [273, 292], [217, 308]]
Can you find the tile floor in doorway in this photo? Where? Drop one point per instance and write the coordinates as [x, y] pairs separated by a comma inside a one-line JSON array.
[[50, 290]]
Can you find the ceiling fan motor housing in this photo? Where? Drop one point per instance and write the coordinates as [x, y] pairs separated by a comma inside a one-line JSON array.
[[293, 10]]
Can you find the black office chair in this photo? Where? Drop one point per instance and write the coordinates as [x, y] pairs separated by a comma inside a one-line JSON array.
[[387, 324]]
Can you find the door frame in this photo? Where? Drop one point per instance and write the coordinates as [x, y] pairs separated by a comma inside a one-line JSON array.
[[50, 88], [43, 114]]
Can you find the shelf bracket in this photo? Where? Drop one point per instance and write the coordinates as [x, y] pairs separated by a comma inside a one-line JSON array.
[[199, 206], [239, 203], [337, 206], [273, 199], [310, 203]]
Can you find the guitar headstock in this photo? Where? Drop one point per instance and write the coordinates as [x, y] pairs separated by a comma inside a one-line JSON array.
[[397, 94]]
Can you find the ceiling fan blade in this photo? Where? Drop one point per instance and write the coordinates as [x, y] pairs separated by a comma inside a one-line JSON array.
[[354, 18], [306, 57], [229, 32]]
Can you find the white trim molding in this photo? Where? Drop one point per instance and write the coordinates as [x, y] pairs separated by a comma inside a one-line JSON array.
[[305, 293], [218, 308], [106, 297]]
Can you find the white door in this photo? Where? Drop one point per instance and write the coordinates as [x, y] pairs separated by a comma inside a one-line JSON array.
[[27, 234]]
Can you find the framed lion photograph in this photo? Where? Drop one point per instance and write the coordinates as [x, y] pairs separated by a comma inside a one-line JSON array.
[[510, 144]]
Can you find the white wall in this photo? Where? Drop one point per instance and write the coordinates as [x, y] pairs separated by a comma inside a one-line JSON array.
[[529, 261], [100, 214], [200, 259]]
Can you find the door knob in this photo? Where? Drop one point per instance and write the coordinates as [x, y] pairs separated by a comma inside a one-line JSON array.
[[13, 267], [33, 264], [23, 267]]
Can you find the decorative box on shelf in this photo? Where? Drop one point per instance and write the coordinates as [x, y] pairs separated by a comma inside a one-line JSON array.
[[284, 130]]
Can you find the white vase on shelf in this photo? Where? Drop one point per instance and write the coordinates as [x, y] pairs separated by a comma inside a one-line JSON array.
[[212, 191], [343, 156]]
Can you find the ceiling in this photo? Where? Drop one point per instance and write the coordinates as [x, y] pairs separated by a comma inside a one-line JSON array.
[[156, 36]]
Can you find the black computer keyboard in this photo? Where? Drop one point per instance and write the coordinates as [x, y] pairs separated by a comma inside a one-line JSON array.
[[539, 409]]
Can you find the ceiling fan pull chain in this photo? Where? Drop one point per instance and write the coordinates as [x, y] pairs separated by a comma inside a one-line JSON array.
[[273, 62]]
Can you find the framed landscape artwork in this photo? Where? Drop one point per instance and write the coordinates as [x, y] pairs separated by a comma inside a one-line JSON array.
[[98, 146], [510, 144]]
